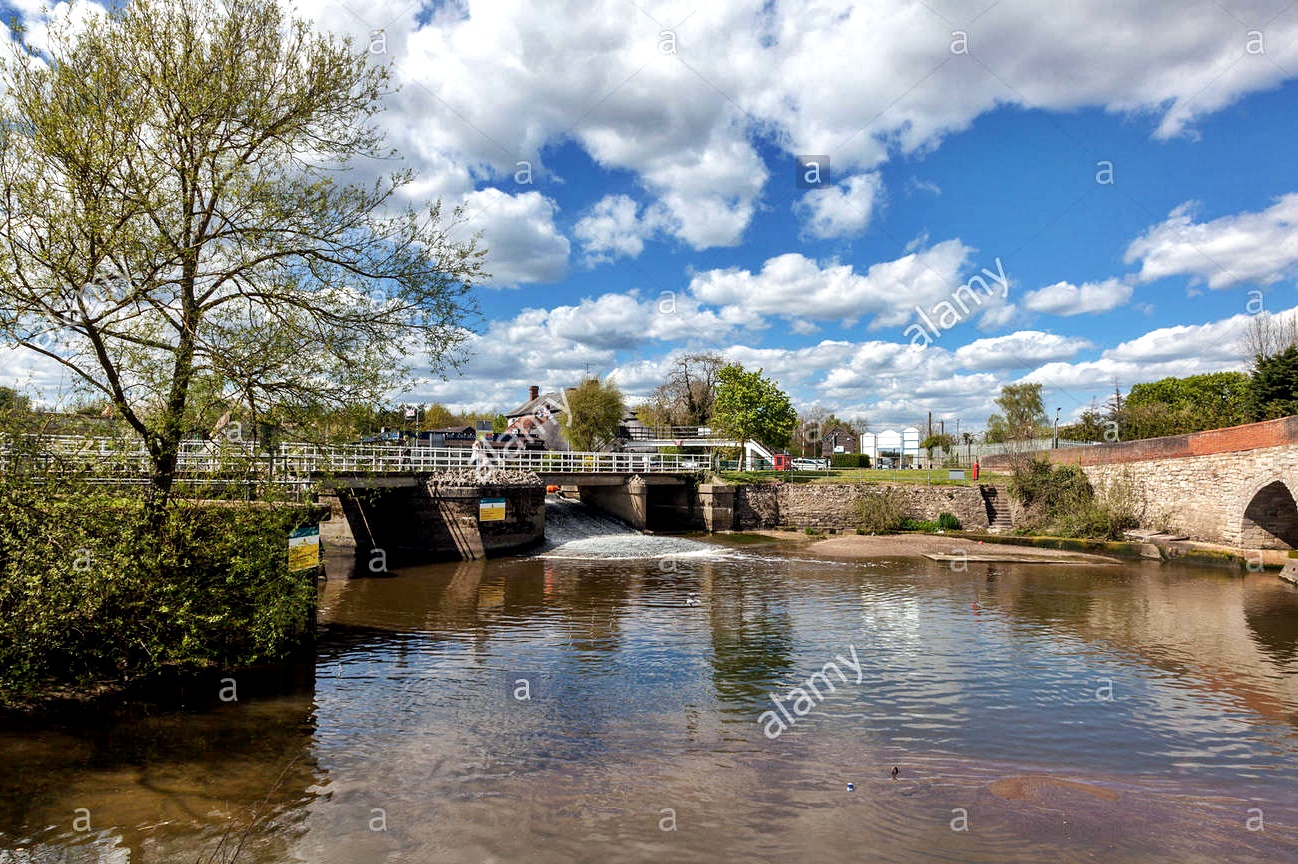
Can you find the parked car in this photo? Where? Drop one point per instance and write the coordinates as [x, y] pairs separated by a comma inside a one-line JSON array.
[[801, 464]]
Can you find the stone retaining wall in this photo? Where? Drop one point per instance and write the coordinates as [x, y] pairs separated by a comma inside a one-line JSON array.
[[1209, 497], [1235, 486], [824, 505]]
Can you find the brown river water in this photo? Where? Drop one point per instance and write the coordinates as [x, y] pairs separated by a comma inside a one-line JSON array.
[[607, 702]]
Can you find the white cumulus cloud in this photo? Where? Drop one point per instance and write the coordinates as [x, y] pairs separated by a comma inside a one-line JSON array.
[[1065, 298], [1259, 248], [841, 210], [1020, 350], [793, 286], [518, 231], [615, 227]]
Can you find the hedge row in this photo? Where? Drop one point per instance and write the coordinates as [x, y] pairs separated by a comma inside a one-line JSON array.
[[89, 596]]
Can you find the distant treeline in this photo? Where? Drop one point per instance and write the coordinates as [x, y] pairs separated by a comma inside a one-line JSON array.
[[1177, 406]]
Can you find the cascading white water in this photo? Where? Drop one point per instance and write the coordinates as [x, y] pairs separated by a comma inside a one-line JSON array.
[[573, 530]]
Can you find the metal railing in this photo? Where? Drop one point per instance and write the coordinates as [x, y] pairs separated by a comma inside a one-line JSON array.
[[978, 450], [668, 433], [298, 461]]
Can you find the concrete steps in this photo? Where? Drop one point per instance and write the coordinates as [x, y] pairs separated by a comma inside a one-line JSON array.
[[999, 520]]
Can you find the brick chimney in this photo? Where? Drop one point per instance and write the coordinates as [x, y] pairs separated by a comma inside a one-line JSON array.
[[533, 392]]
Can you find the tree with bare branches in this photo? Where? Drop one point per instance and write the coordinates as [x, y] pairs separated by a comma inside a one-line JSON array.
[[171, 211], [688, 397]]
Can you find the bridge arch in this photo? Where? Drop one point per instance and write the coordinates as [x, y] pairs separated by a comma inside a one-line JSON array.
[[1270, 517]]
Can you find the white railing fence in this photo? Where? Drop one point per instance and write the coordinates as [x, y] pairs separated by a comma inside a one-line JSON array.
[[300, 460]]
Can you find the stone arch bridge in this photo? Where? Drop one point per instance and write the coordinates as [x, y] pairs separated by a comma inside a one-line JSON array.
[[1234, 486]]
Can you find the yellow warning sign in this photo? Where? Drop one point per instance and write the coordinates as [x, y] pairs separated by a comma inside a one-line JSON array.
[[304, 548], [491, 510]]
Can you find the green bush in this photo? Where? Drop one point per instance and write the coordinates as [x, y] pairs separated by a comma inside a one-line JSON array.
[[948, 522], [1059, 500], [918, 525], [849, 460], [89, 595], [881, 511]]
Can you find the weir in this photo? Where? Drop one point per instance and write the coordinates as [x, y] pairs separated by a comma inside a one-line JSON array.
[[431, 522]]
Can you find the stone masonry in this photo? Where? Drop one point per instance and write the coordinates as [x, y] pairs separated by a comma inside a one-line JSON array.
[[1222, 498], [825, 505], [1234, 486]]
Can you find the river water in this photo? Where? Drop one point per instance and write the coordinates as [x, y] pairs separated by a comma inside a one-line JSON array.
[[605, 700]]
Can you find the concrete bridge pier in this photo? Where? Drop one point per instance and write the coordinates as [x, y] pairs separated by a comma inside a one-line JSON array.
[[717, 503], [628, 502], [409, 523], [652, 502]]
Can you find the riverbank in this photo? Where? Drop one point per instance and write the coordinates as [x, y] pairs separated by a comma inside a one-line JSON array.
[[1015, 548], [95, 600], [855, 547]]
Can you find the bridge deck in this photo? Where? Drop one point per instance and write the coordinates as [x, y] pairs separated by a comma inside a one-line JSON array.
[[198, 458]]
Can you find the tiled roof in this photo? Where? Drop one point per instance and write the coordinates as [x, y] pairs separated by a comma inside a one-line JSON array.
[[548, 400]]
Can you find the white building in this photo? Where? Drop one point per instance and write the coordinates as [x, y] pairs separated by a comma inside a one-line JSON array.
[[891, 444]]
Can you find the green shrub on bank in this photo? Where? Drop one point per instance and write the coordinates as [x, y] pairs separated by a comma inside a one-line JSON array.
[[1058, 500], [881, 511], [944, 522], [918, 525], [88, 595], [849, 460]]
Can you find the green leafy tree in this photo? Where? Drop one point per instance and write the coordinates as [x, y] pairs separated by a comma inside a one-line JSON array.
[[1175, 406], [499, 423], [751, 407], [1022, 415], [1090, 426], [935, 441], [172, 210], [1275, 385], [850, 426], [810, 430], [592, 414], [438, 416], [13, 403]]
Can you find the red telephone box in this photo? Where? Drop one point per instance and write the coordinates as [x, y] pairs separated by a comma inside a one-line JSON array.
[[783, 462]]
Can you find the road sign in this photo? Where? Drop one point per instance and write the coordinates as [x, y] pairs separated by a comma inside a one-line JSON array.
[[304, 548]]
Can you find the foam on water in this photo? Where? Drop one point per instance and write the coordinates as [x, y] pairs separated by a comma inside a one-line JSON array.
[[573, 530]]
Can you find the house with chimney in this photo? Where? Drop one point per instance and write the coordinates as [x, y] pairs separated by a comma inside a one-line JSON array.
[[838, 440], [537, 419]]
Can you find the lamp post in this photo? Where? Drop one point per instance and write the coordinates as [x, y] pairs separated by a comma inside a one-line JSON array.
[[1057, 410]]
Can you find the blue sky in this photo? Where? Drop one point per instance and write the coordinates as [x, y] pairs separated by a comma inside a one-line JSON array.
[[662, 216]]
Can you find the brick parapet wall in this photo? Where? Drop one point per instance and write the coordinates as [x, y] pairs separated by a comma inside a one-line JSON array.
[[1233, 439]]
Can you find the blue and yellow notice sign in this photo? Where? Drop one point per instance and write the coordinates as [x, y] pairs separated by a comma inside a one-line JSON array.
[[304, 548], [491, 510]]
